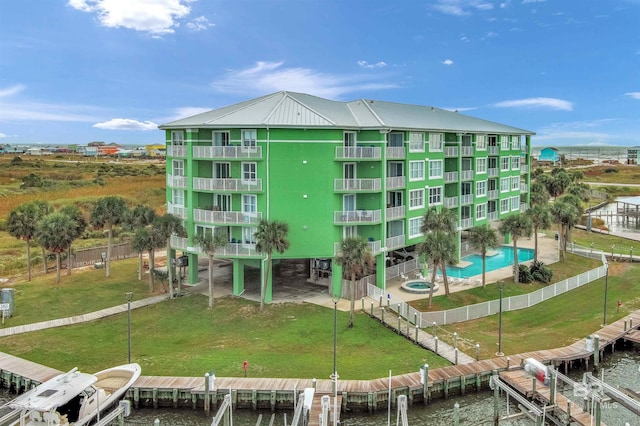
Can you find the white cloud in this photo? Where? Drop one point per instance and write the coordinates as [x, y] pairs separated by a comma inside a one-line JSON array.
[[126, 124], [2, 135], [11, 90], [490, 34], [365, 64], [461, 7], [156, 17], [532, 1], [484, 6], [36, 111], [266, 77], [504, 5], [589, 138], [633, 95], [447, 62], [551, 103], [199, 24]]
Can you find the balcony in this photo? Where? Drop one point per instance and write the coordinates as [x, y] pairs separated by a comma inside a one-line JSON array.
[[524, 188], [466, 223], [357, 216], [523, 207], [493, 150], [362, 185], [395, 242], [450, 151], [396, 182], [493, 172], [179, 242], [466, 199], [492, 216], [374, 246], [232, 250], [467, 175], [450, 202], [396, 152], [397, 212], [524, 168], [467, 151], [450, 177], [179, 211], [492, 194], [358, 153], [227, 152], [226, 218], [233, 185], [176, 151], [177, 181]]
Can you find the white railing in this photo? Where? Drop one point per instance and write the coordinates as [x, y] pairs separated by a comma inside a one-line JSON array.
[[396, 182], [467, 151], [396, 152], [492, 216], [493, 194], [208, 184], [524, 188], [395, 242], [493, 150], [176, 151], [357, 216], [450, 151], [232, 250], [395, 212], [493, 172], [450, 177], [524, 207], [177, 181], [358, 153], [226, 218], [466, 223], [357, 184], [180, 211], [227, 152], [467, 175], [374, 246], [179, 242], [450, 202], [466, 199], [524, 168], [479, 310]]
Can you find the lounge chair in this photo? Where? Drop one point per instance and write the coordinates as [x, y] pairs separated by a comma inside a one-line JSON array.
[[404, 277]]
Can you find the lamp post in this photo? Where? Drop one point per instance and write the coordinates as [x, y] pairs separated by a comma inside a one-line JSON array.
[[334, 377], [606, 290], [499, 353], [129, 295]]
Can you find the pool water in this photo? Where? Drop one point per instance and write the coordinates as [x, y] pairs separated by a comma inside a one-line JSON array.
[[502, 258]]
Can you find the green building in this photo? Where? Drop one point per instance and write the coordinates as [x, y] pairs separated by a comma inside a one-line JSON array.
[[335, 169]]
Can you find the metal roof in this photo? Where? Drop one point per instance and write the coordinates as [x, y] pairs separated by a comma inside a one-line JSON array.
[[300, 110]]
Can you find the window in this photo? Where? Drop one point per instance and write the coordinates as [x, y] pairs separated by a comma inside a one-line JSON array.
[[504, 205], [435, 196], [350, 139], [396, 139], [249, 203], [481, 211], [249, 171], [395, 169], [504, 143], [178, 167], [435, 169], [466, 140], [505, 163], [220, 138], [515, 183], [221, 170], [481, 142], [481, 165], [416, 199], [178, 197], [349, 170], [481, 188], [504, 184], [222, 202], [515, 203], [515, 142], [177, 137], [416, 142], [414, 227], [416, 170], [248, 138], [515, 163], [249, 235], [350, 231], [435, 142]]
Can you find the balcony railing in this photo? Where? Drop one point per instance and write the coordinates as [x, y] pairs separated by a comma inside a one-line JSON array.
[[374, 246], [466, 223], [493, 150], [450, 151], [179, 211], [396, 152], [493, 194], [524, 207], [450, 177], [395, 242], [493, 172], [466, 199], [396, 182], [524, 188], [524, 168], [357, 216], [358, 153], [177, 181], [227, 152], [395, 212], [357, 184], [226, 218], [233, 250], [467, 151], [492, 216], [207, 184], [467, 175], [450, 202], [176, 151], [179, 242]]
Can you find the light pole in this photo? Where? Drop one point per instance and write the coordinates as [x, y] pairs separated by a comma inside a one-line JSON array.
[[606, 290], [334, 377], [129, 295], [501, 286]]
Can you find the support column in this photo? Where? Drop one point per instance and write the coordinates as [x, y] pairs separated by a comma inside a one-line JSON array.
[[381, 271], [268, 297], [193, 277], [336, 279], [238, 277]]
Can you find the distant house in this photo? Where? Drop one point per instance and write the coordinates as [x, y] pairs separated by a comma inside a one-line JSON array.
[[633, 155], [549, 154], [156, 150]]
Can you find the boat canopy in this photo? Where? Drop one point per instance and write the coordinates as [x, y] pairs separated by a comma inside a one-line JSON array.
[[54, 393]]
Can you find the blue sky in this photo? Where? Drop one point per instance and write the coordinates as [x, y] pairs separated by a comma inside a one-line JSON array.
[[113, 70]]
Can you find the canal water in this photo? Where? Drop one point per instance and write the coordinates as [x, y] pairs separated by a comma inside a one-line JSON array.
[[621, 369]]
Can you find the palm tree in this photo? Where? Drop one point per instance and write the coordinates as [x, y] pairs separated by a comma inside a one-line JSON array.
[[209, 243], [141, 242], [43, 208], [441, 249], [444, 220], [517, 225], [539, 193], [140, 216], [54, 233], [483, 238], [566, 213], [80, 224], [354, 255], [108, 212], [22, 223], [540, 216], [169, 225], [270, 236]]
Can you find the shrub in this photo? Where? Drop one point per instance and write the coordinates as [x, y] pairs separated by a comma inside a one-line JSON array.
[[540, 272], [15, 161], [610, 170], [524, 274]]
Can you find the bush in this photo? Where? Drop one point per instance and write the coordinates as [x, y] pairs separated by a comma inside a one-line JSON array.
[[524, 274], [610, 170], [15, 161], [540, 272]]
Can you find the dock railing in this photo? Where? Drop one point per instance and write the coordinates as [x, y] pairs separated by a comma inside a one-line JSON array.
[[492, 307]]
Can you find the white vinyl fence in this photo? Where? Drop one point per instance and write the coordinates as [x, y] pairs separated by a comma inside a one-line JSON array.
[[466, 313]]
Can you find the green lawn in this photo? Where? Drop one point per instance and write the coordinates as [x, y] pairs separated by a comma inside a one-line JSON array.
[[605, 242]]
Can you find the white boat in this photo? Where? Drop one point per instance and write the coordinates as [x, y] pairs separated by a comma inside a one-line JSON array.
[[74, 398]]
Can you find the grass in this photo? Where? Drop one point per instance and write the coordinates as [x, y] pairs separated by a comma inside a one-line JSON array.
[[612, 174], [604, 242]]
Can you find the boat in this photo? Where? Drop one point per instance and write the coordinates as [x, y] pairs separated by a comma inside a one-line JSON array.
[[73, 398]]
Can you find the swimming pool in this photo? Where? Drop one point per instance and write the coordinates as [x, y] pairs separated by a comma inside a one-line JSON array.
[[503, 257]]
